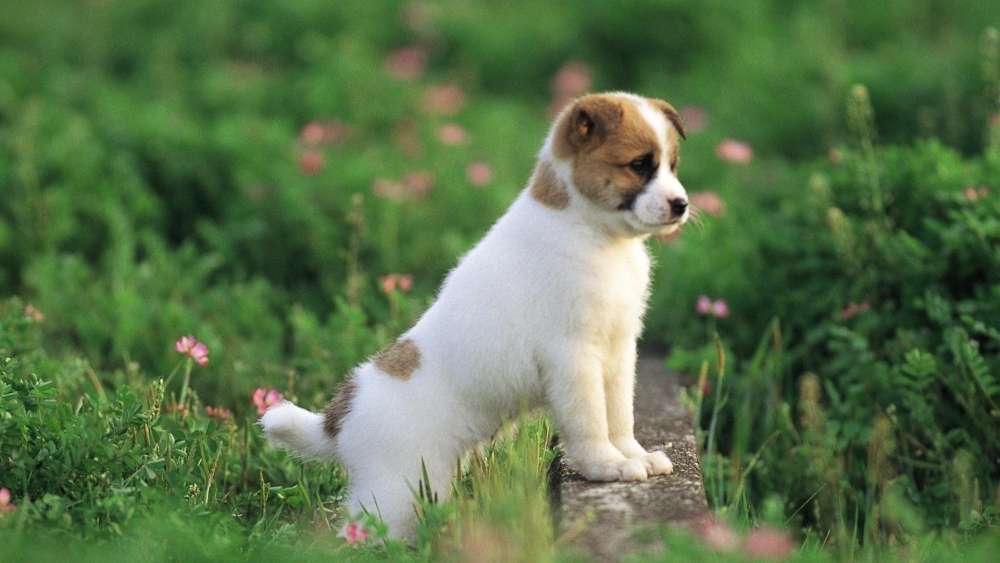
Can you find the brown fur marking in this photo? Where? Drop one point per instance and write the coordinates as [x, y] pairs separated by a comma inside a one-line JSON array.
[[600, 170], [548, 189], [400, 359], [338, 407]]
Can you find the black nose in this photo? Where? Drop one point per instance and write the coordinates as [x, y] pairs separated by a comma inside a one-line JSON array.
[[678, 206]]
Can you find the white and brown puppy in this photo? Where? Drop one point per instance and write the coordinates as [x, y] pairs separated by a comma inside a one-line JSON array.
[[545, 310]]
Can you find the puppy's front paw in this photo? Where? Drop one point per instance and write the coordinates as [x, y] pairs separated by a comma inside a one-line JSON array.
[[657, 463], [615, 470]]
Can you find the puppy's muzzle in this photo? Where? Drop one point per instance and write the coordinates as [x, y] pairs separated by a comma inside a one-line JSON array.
[[678, 206]]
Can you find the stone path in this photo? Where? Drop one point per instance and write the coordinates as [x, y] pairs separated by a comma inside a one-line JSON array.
[[604, 518]]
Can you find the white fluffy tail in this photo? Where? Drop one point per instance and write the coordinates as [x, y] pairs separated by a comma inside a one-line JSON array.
[[297, 430]]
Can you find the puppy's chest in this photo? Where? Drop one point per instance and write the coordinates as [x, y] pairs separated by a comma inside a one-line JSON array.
[[613, 299]]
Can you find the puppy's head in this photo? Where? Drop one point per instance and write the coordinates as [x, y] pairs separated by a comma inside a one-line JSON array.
[[622, 152]]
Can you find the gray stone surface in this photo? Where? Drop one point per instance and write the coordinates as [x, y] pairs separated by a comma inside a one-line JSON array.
[[607, 519]]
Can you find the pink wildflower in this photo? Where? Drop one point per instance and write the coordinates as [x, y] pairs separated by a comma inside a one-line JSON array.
[[853, 309], [709, 202], [720, 308], [418, 183], [479, 173], [572, 79], [405, 282], [704, 305], [355, 533], [311, 162], [835, 155], [326, 132], [768, 543], [265, 398], [31, 313], [972, 193], [736, 152], [452, 134], [446, 99], [695, 118], [406, 63], [5, 504], [716, 535], [219, 413], [391, 282], [311, 134], [189, 346]]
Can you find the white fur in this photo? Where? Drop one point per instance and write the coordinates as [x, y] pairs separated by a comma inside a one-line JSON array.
[[545, 310]]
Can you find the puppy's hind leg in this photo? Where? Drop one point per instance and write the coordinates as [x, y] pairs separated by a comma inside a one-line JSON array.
[[386, 493]]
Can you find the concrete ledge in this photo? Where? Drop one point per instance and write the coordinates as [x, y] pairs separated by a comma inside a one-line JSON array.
[[606, 518]]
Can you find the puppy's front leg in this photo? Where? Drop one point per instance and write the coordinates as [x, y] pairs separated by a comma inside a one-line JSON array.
[[619, 384], [575, 392]]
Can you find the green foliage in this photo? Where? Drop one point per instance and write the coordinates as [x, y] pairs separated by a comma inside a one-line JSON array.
[[875, 402], [152, 185]]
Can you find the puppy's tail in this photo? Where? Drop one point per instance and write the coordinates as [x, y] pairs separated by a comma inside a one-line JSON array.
[[297, 430]]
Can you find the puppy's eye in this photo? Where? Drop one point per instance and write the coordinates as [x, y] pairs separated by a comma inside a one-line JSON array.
[[643, 165]]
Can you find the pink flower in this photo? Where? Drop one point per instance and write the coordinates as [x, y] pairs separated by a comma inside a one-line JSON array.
[[835, 155], [219, 413], [479, 173], [720, 308], [405, 282], [973, 193], [452, 134], [736, 152], [853, 309], [704, 305], [695, 118], [189, 346], [265, 398], [406, 63], [571, 80], [327, 132], [446, 99], [311, 162], [355, 533], [31, 313], [5, 504], [768, 543], [311, 134], [418, 183], [391, 282], [709, 202], [716, 535]]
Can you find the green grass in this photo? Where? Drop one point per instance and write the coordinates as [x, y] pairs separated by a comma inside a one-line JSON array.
[[153, 184]]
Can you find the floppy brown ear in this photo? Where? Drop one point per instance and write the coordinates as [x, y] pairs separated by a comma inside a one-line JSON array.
[[672, 114], [587, 123]]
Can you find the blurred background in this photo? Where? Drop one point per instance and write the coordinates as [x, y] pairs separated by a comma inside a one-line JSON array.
[[289, 182]]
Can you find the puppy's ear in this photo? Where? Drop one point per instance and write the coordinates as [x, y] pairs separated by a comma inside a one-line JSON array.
[[672, 115], [587, 124]]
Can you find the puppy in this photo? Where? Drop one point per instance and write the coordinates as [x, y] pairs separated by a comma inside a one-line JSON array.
[[545, 310]]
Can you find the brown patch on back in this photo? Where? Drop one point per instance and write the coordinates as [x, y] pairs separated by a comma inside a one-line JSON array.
[[400, 359], [547, 188], [338, 407]]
